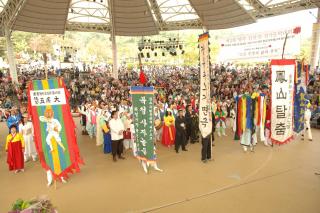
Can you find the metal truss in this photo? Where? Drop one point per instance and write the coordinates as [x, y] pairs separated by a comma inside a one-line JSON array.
[[280, 8], [88, 27], [101, 11], [8, 14], [156, 11], [98, 11]]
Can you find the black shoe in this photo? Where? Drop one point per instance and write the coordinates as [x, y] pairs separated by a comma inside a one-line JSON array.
[[121, 157], [184, 150], [177, 151], [114, 159], [204, 161]]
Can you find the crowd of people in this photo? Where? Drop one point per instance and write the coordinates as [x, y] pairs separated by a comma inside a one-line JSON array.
[[105, 106]]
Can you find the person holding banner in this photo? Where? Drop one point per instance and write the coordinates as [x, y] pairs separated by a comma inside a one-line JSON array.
[[14, 148], [169, 130], [116, 130], [181, 135]]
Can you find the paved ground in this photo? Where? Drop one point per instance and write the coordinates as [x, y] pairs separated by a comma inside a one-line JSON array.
[[278, 179]]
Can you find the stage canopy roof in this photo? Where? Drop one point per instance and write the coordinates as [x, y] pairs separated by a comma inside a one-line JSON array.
[[139, 17]]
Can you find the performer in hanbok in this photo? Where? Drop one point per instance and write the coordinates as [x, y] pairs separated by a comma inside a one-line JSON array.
[[246, 120], [92, 121], [307, 117], [99, 123], [15, 148], [106, 138], [83, 119], [181, 135], [116, 131], [169, 131], [194, 127], [220, 118], [157, 124], [188, 117], [127, 142], [267, 141], [26, 130], [14, 118]]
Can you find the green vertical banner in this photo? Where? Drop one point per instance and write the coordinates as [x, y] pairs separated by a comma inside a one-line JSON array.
[[143, 120]]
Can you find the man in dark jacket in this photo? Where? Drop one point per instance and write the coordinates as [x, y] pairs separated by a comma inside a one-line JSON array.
[[181, 135]]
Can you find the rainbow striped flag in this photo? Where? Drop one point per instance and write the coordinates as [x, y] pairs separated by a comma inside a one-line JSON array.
[[54, 128]]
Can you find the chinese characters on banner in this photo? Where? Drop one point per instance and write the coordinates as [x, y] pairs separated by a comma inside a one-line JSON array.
[[282, 96], [143, 118], [205, 116], [48, 97]]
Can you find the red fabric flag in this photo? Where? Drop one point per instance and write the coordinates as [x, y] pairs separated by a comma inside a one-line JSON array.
[[143, 79], [297, 30]]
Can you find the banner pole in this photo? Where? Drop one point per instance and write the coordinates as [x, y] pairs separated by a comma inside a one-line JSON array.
[[284, 44]]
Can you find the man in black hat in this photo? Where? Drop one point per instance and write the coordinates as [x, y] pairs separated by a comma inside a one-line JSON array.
[[181, 135]]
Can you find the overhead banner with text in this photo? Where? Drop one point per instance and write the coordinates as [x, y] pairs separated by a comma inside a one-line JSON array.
[[54, 128], [143, 120], [205, 116], [260, 45], [282, 96]]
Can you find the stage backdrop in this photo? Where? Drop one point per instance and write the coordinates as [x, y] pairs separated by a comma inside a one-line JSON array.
[[54, 128], [143, 120], [260, 45], [282, 96], [205, 116]]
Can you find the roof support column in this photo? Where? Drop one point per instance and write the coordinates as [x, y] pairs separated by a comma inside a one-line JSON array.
[[315, 45], [11, 57], [115, 73]]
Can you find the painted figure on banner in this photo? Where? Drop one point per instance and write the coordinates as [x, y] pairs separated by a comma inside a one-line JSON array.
[[169, 130], [53, 129]]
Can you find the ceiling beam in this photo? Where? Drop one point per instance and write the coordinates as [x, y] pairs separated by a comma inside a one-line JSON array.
[[155, 8]]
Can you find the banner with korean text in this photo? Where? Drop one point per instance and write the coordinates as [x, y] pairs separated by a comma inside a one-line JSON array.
[[143, 120], [54, 128], [205, 116], [282, 96]]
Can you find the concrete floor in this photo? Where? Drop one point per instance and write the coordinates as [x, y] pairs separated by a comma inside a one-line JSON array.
[[279, 179]]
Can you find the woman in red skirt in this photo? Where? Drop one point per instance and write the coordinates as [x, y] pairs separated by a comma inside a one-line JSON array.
[[15, 149]]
